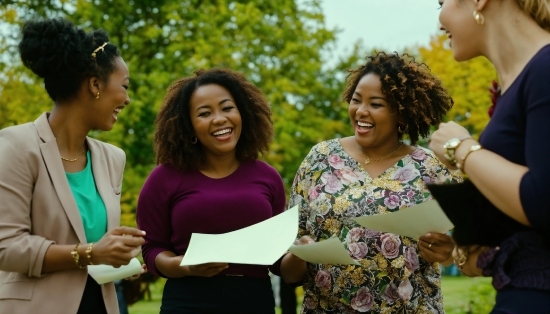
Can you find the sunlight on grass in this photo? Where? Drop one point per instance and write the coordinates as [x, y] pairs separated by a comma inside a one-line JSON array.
[[458, 293]]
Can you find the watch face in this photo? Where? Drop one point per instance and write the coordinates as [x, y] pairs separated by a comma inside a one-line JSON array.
[[453, 143]]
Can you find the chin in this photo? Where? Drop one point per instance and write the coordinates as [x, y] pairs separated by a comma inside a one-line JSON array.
[[461, 56]]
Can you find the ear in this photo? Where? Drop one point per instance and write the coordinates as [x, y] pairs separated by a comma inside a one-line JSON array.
[[94, 85], [480, 4]]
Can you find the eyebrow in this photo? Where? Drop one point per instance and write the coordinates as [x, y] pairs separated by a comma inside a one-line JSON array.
[[208, 106], [371, 98]]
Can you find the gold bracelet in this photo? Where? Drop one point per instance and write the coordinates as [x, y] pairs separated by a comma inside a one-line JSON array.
[[473, 148], [460, 256], [89, 253], [76, 256]]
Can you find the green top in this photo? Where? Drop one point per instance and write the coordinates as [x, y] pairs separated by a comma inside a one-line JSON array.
[[90, 204]]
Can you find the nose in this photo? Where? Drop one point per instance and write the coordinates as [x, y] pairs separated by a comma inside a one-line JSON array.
[[127, 101], [362, 111], [219, 118]]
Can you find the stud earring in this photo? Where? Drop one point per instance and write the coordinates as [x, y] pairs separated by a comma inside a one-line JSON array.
[[97, 95], [480, 19], [194, 140]]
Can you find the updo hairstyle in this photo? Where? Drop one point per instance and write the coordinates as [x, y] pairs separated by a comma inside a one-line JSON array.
[[61, 54]]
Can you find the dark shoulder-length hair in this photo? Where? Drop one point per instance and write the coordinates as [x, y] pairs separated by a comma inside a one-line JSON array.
[[174, 131]]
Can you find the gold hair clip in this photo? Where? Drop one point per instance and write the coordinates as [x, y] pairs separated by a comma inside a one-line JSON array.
[[99, 48]]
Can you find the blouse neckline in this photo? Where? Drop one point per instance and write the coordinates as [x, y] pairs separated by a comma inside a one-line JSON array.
[[360, 165]]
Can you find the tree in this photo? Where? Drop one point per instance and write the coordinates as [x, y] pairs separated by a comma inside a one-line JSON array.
[[467, 82], [277, 45]]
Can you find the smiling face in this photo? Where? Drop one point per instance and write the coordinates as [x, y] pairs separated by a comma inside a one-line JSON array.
[[374, 121], [464, 33], [215, 119], [113, 97]]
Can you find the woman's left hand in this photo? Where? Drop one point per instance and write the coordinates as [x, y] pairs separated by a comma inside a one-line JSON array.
[[436, 247], [136, 276], [445, 132]]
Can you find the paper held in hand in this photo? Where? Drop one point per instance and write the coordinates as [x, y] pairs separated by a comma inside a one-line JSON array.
[[330, 251], [411, 222], [107, 273], [260, 244]]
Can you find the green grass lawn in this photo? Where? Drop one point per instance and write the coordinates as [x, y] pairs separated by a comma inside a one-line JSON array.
[[460, 295]]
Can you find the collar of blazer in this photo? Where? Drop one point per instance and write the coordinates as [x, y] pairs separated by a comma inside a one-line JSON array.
[[100, 168]]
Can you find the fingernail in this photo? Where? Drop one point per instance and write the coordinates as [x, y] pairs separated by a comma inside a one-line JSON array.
[[428, 235]]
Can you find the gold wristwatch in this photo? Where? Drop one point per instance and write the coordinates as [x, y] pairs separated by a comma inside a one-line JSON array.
[[450, 148]]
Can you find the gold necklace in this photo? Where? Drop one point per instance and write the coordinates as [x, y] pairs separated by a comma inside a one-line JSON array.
[[368, 160], [77, 158]]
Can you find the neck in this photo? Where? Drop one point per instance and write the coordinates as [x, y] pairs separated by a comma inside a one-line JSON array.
[[68, 130], [381, 152], [513, 38], [219, 166]]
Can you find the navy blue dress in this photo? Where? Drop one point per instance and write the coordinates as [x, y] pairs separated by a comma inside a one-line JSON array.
[[520, 132]]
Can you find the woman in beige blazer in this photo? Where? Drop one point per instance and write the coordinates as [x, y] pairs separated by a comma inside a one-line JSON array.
[[49, 218]]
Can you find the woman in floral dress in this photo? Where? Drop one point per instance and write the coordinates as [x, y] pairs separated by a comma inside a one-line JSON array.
[[374, 172]]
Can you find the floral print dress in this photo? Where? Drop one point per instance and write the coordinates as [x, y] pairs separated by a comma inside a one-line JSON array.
[[331, 188]]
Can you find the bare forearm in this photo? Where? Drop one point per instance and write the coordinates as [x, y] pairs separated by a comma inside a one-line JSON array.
[[496, 178], [293, 269], [58, 258], [168, 264]]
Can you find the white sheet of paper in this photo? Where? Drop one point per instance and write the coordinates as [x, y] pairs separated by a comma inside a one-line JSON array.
[[411, 222], [330, 251], [260, 244], [107, 273]]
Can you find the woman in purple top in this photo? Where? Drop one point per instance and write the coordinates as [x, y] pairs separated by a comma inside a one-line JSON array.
[[210, 131], [509, 165]]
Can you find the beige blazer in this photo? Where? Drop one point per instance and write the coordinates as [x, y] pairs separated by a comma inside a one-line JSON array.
[[37, 209]]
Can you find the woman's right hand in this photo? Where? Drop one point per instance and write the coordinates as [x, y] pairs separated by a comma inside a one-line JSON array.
[[293, 268], [206, 270], [118, 246], [304, 240]]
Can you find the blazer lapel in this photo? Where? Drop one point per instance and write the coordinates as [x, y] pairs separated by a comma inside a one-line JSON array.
[[103, 183], [52, 159]]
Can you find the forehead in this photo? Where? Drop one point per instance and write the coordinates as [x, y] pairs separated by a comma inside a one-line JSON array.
[[121, 69], [209, 93], [369, 82]]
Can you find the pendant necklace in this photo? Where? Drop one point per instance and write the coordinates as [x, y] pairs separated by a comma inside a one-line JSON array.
[[368, 160]]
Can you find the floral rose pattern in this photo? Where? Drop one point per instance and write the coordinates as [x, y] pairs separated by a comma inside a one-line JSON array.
[[331, 188]]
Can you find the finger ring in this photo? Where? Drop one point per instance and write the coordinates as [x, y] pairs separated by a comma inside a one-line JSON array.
[[430, 246]]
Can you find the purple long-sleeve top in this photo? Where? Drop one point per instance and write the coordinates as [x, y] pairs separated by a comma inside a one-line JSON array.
[[174, 204]]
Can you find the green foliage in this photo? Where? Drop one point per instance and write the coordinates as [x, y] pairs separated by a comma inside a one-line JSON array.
[[482, 298], [467, 82], [278, 45]]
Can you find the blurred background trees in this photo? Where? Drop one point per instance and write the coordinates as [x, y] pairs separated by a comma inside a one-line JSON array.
[[283, 46]]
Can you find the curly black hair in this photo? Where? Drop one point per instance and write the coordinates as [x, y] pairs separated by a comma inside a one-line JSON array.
[[61, 54], [409, 88], [172, 141]]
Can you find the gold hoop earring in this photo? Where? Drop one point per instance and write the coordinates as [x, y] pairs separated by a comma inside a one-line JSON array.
[[480, 19], [97, 95], [402, 128], [194, 140]]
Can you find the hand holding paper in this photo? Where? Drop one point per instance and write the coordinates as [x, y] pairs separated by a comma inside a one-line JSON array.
[[107, 273], [330, 251], [411, 222], [261, 244]]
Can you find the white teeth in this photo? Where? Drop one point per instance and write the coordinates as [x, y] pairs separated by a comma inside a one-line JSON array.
[[221, 132], [117, 110], [365, 124]]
